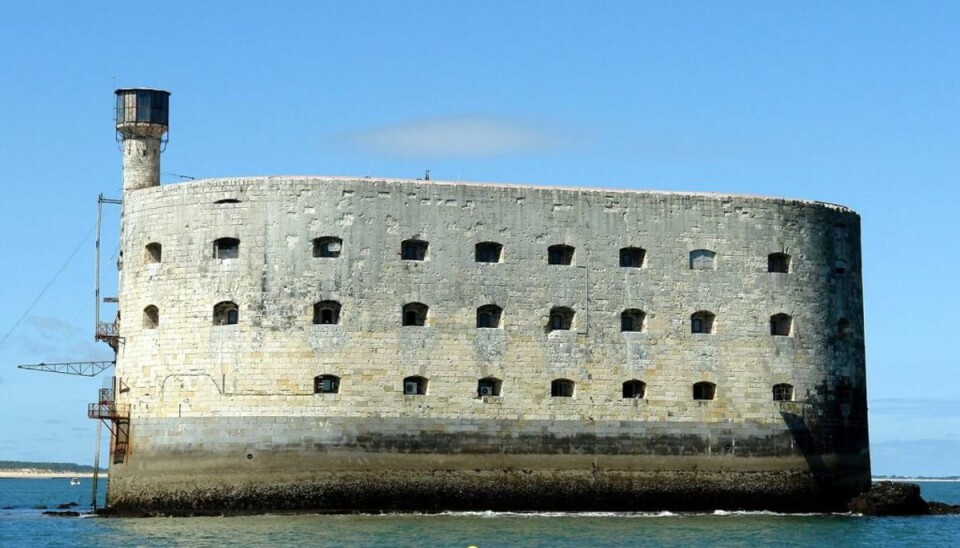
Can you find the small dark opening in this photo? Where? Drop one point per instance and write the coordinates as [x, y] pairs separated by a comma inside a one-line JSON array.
[[780, 325], [560, 254], [327, 247], [488, 387], [488, 316], [631, 320], [227, 201], [702, 259], [414, 314], [634, 389], [151, 317], [226, 248], [226, 313], [704, 391], [488, 252], [154, 253], [413, 250], [326, 313], [843, 328], [326, 384], [778, 262], [783, 392], [632, 257], [414, 386], [701, 322], [561, 318], [561, 388]]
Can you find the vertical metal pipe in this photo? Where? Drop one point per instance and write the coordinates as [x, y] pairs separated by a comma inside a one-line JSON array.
[[96, 465]]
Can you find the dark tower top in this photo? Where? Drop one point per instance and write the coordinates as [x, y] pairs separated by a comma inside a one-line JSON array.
[[142, 112], [142, 118]]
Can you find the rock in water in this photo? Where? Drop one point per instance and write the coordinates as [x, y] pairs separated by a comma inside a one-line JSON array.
[[67, 514], [942, 509], [888, 498]]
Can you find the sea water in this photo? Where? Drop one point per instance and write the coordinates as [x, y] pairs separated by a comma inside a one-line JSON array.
[[22, 523]]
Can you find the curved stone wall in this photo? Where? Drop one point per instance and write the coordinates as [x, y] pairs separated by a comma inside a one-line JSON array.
[[215, 402]]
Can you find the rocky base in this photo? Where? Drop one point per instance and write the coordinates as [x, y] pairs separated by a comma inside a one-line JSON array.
[[523, 491], [888, 498]]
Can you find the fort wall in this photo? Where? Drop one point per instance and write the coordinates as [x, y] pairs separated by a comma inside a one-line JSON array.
[[226, 416]]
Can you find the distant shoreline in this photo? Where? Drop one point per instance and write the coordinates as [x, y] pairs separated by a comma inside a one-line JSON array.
[[920, 480], [44, 474]]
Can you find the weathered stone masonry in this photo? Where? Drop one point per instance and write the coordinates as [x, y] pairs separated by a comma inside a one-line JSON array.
[[224, 417]]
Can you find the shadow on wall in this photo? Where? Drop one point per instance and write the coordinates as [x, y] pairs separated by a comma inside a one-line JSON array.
[[806, 443], [839, 430]]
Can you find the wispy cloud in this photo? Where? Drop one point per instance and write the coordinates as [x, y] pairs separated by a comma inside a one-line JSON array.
[[51, 340], [452, 136], [51, 326], [914, 407]]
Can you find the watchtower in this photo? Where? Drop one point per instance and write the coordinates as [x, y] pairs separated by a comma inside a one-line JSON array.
[[142, 118]]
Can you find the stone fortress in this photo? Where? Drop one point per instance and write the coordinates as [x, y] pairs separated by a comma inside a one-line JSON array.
[[366, 344]]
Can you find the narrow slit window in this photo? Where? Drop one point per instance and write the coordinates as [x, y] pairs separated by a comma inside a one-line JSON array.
[[226, 313], [488, 252], [840, 266], [634, 389], [326, 384], [561, 388], [154, 253], [704, 391], [560, 254], [488, 316], [561, 319], [703, 259], [632, 320], [778, 262], [701, 322], [781, 325], [151, 317], [489, 386], [327, 247], [413, 250], [226, 248], [415, 314], [783, 392], [414, 386], [326, 313], [632, 257]]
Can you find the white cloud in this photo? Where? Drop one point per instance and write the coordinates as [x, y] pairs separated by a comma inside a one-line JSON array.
[[477, 135]]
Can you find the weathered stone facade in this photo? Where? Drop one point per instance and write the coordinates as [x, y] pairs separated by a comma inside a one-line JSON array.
[[224, 417]]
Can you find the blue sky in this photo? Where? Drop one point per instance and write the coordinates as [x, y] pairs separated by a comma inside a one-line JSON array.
[[847, 102]]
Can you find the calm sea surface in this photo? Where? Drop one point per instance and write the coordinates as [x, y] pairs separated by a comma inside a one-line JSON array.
[[22, 524]]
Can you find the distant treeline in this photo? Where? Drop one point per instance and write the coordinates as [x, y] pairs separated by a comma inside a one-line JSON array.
[[46, 466]]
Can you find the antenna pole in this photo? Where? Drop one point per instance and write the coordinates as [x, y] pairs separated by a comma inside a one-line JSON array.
[[96, 298]]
